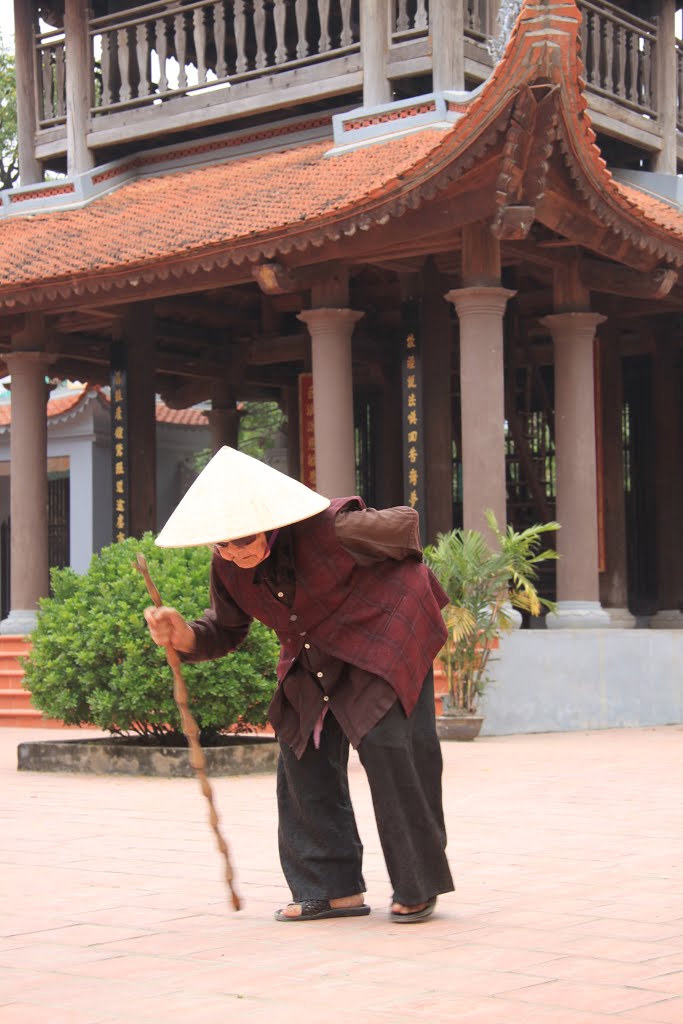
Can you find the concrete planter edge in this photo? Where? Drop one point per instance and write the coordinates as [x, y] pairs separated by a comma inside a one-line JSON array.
[[247, 755]]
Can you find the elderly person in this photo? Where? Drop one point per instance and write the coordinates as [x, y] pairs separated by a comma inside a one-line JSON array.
[[358, 616]]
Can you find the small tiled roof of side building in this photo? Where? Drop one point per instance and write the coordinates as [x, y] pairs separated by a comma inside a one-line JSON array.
[[64, 404]]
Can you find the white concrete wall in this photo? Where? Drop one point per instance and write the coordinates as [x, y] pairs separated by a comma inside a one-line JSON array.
[[175, 447], [560, 680]]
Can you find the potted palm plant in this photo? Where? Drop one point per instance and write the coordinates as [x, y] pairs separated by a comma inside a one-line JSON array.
[[483, 583]]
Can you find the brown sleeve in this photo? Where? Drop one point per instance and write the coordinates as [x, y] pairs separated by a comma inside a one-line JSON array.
[[371, 535], [221, 628]]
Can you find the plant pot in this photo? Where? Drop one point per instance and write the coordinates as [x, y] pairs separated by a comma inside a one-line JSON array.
[[458, 727]]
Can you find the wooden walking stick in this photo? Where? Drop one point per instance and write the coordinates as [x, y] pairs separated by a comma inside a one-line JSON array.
[[191, 732]]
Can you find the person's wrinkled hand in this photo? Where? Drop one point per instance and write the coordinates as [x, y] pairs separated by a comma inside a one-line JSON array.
[[168, 628]]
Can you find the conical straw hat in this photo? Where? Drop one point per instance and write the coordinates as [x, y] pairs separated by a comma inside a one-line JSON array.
[[235, 496]]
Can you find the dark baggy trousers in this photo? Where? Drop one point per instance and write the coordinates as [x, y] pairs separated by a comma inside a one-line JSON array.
[[320, 849]]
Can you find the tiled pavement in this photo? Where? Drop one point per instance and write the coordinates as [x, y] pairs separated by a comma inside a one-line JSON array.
[[567, 850]]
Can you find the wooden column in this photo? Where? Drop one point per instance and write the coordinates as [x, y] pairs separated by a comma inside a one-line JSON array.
[[669, 483], [666, 74], [28, 365], [436, 340], [139, 351], [374, 40], [224, 416], [447, 35], [79, 86], [614, 581], [25, 58]]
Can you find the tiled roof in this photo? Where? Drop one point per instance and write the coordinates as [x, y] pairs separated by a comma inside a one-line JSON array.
[[69, 403], [198, 210], [262, 205]]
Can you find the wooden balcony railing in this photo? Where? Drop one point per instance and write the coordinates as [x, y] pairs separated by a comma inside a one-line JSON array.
[[171, 48], [619, 56], [166, 49], [51, 61], [411, 19]]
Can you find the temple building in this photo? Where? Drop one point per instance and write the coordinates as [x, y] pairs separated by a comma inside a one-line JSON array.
[[459, 277]]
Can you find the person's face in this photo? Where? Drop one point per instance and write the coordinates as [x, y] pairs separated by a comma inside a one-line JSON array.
[[245, 552]]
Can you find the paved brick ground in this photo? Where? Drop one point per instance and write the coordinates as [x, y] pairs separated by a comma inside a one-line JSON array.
[[567, 851]]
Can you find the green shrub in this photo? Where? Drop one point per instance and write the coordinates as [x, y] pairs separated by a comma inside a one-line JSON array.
[[93, 661]]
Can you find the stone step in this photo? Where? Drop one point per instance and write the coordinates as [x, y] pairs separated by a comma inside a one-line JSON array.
[[15, 698]]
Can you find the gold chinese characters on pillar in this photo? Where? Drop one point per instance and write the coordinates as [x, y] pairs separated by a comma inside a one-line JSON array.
[[306, 430], [413, 442], [119, 451]]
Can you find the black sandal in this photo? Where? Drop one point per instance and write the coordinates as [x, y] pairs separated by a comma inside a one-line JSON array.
[[318, 910], [415, 915]]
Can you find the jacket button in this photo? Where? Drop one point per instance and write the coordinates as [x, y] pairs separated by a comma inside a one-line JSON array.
[[303, 634], [326, 698], [293, 618], [307, 646], [319, 675], [280, 594]]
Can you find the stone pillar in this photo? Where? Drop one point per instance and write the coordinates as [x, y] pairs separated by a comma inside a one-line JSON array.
[[25, 58], [79, 86], [447, 36], [28, 490], [669, 483], [436, 332], [335, 460], [578, 586], [614, 581], [666, 75], [480, 311], [374, 41]]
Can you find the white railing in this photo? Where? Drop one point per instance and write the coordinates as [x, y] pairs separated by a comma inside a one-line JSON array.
[[619, 55]]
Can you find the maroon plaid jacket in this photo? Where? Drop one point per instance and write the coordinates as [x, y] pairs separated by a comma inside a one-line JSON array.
[[384, 618]]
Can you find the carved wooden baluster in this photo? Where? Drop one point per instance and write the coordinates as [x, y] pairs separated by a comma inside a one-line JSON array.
[[180, 49], [279, 19], [124, 63], [60, 81], [583, 35], [402, 21], [632, 93], [199, 32], [241, 35], [260, 33], [46, 78], [609, 55], [219, 39], [162, 52], [647, 58], [105, 65], [142, 53], [421, 20], [347, 28], [325, 42], [300, 11], [620, 67]]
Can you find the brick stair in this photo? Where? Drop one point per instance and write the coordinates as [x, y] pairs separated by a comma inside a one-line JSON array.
[[16, 709]]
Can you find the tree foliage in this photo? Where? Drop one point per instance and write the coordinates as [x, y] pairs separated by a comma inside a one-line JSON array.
[[9, 154], [93, 661], [259, 423]]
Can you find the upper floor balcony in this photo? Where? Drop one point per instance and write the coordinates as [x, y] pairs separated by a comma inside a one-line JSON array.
[[128, 77]]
